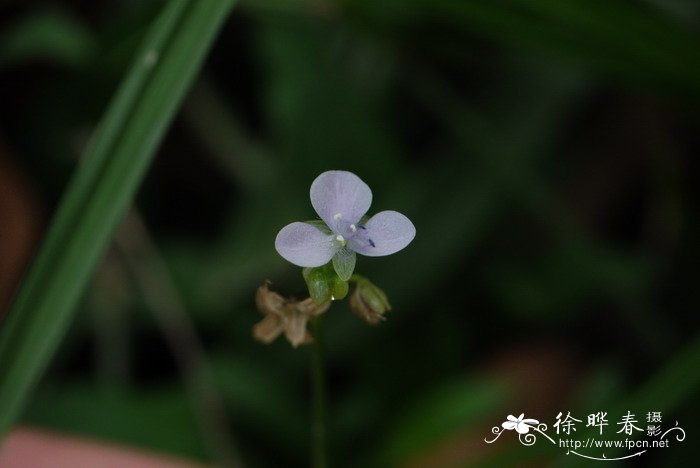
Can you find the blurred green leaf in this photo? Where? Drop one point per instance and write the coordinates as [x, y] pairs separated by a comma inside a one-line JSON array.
[[47, 34], [101, 191], [620, 38], [677, 382], [160, 418], [564, 277], [246, 161], [324, 98], [256, 398], [444, 409]]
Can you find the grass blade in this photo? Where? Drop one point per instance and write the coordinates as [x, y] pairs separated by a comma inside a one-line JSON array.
[[101, 191]]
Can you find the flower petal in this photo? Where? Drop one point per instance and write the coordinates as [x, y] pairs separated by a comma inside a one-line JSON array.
[[344, 263], [385, 233], [335, 193], [509, 425], [305, 245]]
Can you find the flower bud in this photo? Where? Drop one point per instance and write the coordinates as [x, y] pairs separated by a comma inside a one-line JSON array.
[[324, 284], [369, 302], [318, 284]]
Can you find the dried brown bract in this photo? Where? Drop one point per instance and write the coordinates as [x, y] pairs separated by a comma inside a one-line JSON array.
[[283, 315]]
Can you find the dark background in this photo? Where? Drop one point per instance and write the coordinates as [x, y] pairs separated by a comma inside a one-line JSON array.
[[545, 150]]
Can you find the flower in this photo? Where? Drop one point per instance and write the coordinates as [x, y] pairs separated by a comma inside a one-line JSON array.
[[522, 426], [341, 199], [285, 315]]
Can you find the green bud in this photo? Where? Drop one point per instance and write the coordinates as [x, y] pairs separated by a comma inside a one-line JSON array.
[[324, 284], [339, 289], [317, 283], [368, 301]]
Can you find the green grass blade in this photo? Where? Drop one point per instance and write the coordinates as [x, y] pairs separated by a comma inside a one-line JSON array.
[[101, 191]]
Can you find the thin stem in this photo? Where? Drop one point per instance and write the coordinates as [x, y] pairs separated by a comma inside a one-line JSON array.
[[318, 415], [111, 301]]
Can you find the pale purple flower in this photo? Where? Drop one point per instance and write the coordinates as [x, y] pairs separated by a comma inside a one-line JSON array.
[[521, 426], [341, 199]]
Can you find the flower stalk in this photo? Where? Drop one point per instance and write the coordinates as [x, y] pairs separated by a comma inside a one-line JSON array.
[[318, 385]]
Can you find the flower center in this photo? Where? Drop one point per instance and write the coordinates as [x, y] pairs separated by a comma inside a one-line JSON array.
[[354, 234]]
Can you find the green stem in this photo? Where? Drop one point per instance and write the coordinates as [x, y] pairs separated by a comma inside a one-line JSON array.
[[318, 415]]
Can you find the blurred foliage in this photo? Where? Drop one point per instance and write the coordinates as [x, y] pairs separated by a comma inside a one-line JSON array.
[[543, 149]]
